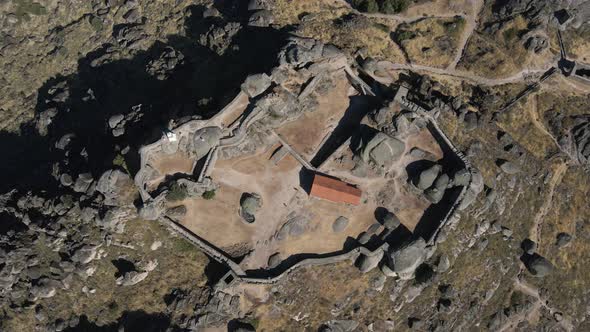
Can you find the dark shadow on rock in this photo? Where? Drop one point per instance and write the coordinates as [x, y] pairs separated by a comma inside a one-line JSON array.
[[424, 274], [435, 213], [10, 224], [232, 8], [349, 244], [129, 321], [173, 295], [348, 126], [306, 179], [123, 266], [214, 271], [398, 237], [237, 325], [198, 85], [414, 168], [380, 214]]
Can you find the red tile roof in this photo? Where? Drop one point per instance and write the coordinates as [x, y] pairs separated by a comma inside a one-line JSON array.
[[335, 190]]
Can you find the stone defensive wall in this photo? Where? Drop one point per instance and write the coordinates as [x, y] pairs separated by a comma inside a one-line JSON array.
[[182, 135], [433, 125], [179, 138], [336, 258]]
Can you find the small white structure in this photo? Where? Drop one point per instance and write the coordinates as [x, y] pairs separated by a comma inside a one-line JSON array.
[[170, 136]]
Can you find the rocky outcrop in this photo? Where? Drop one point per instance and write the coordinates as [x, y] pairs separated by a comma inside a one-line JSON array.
[[474, 189], [258, 5], [204, 140], [301, 51], [165, 65], [339, 224], [366, 263], [114, 185], [339, 326], [249, 206], [176, 213], [274, 260], [219, 38], [256, 84], [535, 43], [508, 167], [581, 140], [436, 192], [134, 277], [390, 221], [426, 178], [382, 150], [406, 259], [261, 18], [538, 265]]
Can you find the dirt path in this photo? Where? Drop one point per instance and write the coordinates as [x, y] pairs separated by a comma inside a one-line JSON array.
[[411, 19], [535, 231], [471, 24], [533, 314], [518, 77], [534, 113], [401, 18], [578, 86]]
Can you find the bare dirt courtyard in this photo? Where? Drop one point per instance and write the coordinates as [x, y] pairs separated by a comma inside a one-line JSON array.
[[289, 221]]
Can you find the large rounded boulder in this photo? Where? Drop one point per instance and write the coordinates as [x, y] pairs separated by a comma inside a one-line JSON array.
[[205, 139], [249, 206], [426, 178], [406, 259], [382, 150]]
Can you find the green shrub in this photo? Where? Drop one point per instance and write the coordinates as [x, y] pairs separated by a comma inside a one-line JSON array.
[[176, 192], [182, 245], [209, 194], [27, 7], [96, 23], [454, 28], [394, 6], [509, 34], [119, 160], [402, 35], [368, 6]]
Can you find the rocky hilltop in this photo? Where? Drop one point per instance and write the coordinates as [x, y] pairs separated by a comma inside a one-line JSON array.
[[466, 126]]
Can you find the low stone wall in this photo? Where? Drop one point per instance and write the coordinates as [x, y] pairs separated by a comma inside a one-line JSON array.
[[349, 255], [424, 114], [236, 273], [203, 245], [182, 132]]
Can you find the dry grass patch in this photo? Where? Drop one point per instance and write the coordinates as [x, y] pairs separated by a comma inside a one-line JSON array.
[[432, 42], [291, 12], [353, 33], [324, 287], [523, 124], [577, 43], [570, 214], [497, 55]]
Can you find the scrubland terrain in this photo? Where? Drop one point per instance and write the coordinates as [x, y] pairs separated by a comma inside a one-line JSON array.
[[75, 254]]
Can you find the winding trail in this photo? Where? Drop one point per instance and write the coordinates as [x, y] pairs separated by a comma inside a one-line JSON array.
[[472, 21], [533, 112], [535, 231], [515, 78], [398, 17], [523, 287]]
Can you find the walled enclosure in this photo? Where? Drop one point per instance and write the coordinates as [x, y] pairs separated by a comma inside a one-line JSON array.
[[194, 154]]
